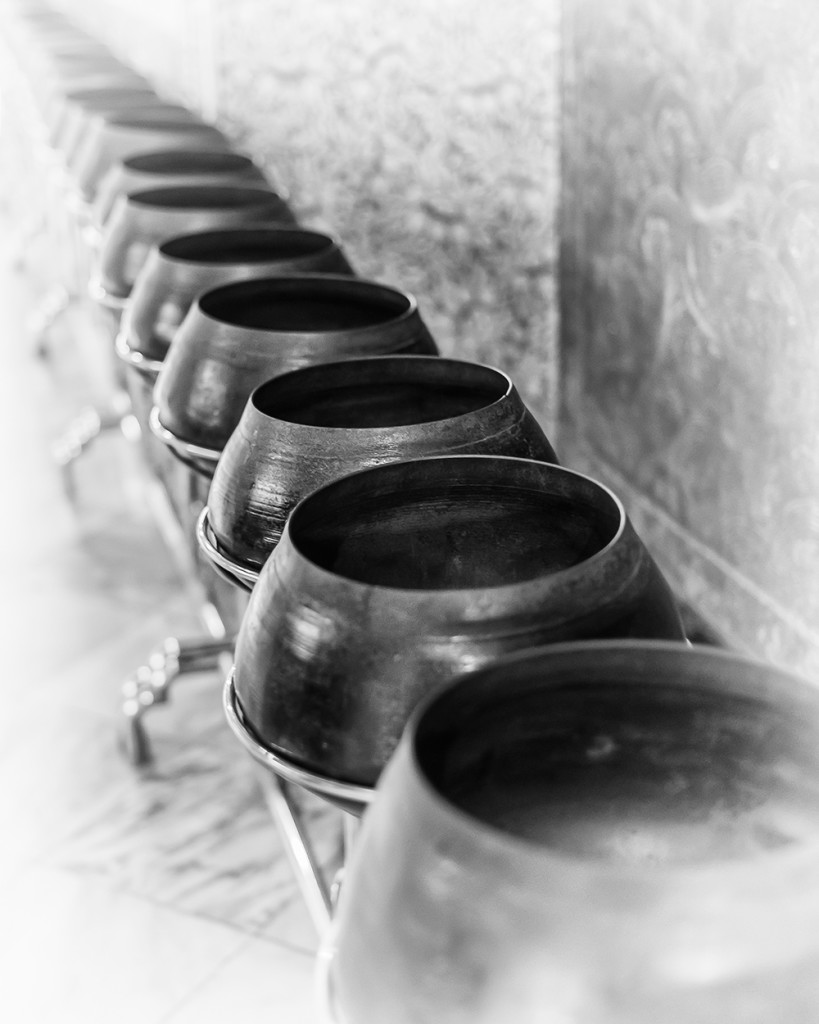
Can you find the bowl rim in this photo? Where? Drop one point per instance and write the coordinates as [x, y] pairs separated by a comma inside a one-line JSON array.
[[742, 868], [257, 194], [307, 280], [132, 160], [330, 245], [506, 390], [623, 532]]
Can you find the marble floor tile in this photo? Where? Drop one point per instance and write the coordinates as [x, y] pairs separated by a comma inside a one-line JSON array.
[[189, 832], [126, 894], [260, 982], [75, 951]]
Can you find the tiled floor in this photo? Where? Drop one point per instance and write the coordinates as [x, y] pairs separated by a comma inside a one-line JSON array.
[[161, 895]]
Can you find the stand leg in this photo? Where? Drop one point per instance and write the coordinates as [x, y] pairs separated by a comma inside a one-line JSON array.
[[56, 301], [350, 826], [298, 847], [87, 426], [29, 232], [151, 683]]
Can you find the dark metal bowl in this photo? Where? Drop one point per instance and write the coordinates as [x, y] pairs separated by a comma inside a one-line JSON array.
[[79, 119], [394, 579], [70, 111], [240, 335], [173, 167], [108, 141], [144, 219], [303, 429], [620, 832], [56, 90], [179, 269]]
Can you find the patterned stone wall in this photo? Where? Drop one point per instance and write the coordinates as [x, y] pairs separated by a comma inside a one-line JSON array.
[[424, 134], [690, 294]]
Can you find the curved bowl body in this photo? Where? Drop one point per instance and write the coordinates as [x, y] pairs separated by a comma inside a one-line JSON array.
[[84, 118], [173, 167], [90, 130], [240, 335], [144, 219], [303, 429], [395, 579], [106, 142], [618, 833], [185, 266], [115, 80], [73, 63], [73, 110], [85, 124]]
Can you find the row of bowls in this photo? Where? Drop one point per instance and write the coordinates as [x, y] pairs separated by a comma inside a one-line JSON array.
[[596, 831]]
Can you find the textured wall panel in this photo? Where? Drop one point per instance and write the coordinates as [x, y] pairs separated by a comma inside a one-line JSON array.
[[690, 293], [424, 134]]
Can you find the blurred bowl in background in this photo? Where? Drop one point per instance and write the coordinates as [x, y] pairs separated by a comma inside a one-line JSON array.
[[240, 335], [141, 220]]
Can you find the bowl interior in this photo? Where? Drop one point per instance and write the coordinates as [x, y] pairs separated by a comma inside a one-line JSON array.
[[109, 99], [382, 392], [203, 197], [643, 763], [132, 122], [182, 162], [302, 306], [450, 525], [255, 246]]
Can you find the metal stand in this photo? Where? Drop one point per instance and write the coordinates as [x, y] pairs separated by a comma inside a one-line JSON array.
[[57, 301], [92, 422], [295, 837], [150, 685], [279, 779], [30, 230], [83, 430], [230, 570], [64, 222]]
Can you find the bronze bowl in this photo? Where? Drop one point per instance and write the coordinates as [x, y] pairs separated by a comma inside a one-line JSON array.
[[60, 108], [141, 220], [305, 428], [240, 335], [394, 579], [80, 119], [90, 69], [173, 167], [76, 106], [601, 833], [186, 266], [179, 269], [108, 141]]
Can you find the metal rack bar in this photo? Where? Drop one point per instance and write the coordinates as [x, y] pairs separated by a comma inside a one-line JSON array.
[[298, 846]]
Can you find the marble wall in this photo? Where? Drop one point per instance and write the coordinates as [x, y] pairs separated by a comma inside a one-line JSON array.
[[689, 298], [424, 134]]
